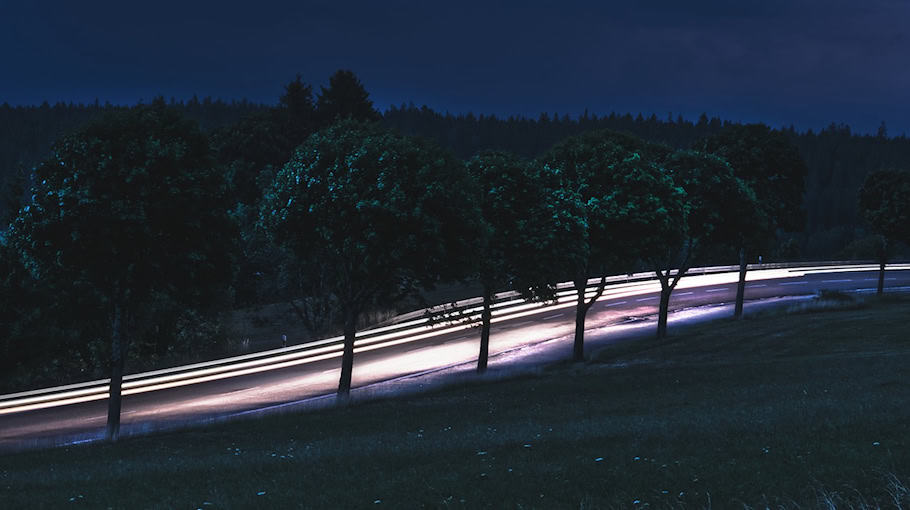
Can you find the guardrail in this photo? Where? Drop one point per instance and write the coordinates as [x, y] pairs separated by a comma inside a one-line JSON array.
[[507, 296], [406, 327]]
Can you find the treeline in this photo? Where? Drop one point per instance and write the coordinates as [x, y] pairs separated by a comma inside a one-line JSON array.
[[837, 159], [27, 133], [252, 141]]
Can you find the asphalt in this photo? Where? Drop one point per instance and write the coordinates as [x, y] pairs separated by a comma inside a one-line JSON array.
[[520, 342]]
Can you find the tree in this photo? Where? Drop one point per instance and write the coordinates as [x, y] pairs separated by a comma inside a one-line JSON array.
[[884, 202], [773, 168], [264, 140], [10, 286], [296, 113], [344, 98], [249, 152], [515, 250], [370, 216], [12, 189], [719, 206], [616, 203], [126, 208]]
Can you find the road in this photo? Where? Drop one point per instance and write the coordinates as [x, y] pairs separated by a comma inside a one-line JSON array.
[[299, 373]]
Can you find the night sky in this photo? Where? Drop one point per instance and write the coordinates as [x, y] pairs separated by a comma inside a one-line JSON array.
[[805, 62]]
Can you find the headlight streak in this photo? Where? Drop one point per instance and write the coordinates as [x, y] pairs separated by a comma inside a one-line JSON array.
[[371, 339]]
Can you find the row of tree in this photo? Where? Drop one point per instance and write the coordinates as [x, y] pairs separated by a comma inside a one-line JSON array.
[[142, 208], [134, 206], [837, 159]]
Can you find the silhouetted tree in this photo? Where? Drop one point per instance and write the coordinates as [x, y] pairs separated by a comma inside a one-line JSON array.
[[344, 98], [773, 168], [719, 207], [249, 152], [264, 141], [618, 202], [519, 235], [296, 112], [127, 208], [370, 216], [884, 201]]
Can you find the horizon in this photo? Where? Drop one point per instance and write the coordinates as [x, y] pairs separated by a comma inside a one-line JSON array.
[[669, 117]]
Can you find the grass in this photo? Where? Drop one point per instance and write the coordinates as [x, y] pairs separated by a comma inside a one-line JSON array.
[[806, 410]]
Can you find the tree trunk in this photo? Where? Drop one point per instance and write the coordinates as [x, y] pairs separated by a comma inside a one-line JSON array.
[[664, 309], [347, 357], [741, 285], [118, 352], [881, 277], [581, 309], [882, 260], [485, 330]]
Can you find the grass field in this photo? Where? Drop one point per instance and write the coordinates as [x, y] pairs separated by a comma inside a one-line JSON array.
[[800, 410]]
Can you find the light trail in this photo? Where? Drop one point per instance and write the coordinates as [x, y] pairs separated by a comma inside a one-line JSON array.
[[387, 336]]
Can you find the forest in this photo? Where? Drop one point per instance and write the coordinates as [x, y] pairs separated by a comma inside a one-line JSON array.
[[133, 231]]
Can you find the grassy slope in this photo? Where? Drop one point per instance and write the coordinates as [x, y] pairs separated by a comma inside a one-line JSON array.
[[778, 410]]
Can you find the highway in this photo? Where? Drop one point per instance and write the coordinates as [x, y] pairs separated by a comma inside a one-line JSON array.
[[273, 379]]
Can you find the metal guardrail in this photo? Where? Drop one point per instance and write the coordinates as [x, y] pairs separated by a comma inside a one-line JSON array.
[[439, 319]]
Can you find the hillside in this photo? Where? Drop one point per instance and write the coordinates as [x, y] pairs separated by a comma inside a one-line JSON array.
[[786, 410]]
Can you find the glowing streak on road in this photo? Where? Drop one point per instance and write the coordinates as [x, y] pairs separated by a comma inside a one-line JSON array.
[[369, 340], [100, 392]]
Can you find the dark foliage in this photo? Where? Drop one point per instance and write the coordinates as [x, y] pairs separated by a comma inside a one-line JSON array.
[[127, 210], [369, 216]]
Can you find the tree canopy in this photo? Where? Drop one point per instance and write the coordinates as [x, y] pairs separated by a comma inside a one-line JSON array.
[[371, 216], [519, 235], [719, 208], [127, 208], [772, 167], [618, 202], [345, 98], [884, 202]]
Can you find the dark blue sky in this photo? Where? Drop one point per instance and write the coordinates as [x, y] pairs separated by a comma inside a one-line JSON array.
[[806, 62]]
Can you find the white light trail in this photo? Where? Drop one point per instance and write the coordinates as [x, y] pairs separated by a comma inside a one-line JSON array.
[[387, 336]]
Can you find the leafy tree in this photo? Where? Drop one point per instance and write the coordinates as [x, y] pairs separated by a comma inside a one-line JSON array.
[[264, 140], [249, 152], [884, 201], [773, 168], [127, 208], [9, 288], [370, 216], [616, 202], [49, 330], [12, 190], [344, 98], [719, 206], [516, 250]]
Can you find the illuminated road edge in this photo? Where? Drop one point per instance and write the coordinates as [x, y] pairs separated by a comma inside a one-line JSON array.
[[462, 316]]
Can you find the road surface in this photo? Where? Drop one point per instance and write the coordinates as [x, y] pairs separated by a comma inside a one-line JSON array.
[[298, 374]]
